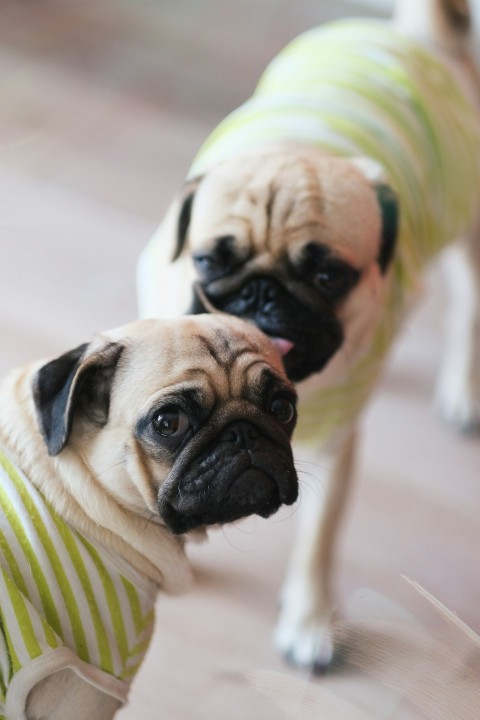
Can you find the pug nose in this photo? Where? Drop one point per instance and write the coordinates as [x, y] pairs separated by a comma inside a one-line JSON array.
[[240, 434], [261, 293]]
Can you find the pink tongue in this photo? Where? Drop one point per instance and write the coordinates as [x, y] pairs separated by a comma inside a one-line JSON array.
[[283, 345]]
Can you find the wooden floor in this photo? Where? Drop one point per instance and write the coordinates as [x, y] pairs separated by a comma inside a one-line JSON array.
[[103, 105]]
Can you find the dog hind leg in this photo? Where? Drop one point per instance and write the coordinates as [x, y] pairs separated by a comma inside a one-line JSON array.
[[304, 631]]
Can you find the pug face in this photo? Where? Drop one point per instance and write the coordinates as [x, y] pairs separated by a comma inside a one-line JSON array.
[[295, 241], [187, 421]]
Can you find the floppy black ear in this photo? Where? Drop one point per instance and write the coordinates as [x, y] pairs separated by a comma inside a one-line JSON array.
[[388, 201], [185, 214], [79, 380], [389, 207]]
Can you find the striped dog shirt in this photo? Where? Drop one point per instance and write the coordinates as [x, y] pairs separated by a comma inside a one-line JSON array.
[[359, 88], [65, 602]]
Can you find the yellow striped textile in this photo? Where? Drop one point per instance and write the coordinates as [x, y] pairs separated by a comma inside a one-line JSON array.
[[359, 88], [59, 590]]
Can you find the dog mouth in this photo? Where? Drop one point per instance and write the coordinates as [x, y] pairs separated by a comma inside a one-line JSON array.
[[283, 345], [241, 473], [306, 352], [252, 492]]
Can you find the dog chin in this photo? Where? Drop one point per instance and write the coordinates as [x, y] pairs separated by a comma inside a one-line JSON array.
[[236, 489], [188, 514], [300, 364]]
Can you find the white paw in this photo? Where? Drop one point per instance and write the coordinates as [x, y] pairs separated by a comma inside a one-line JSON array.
[[305, 640], [458, 403]]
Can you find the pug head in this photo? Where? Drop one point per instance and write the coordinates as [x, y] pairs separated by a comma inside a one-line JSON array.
[[292, 239], [187, 420]]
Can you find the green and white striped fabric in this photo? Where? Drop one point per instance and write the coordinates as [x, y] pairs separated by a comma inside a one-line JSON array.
[[359, 88], [65, 602]]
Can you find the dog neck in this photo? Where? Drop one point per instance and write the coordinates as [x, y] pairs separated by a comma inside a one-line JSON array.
[[74, 493]]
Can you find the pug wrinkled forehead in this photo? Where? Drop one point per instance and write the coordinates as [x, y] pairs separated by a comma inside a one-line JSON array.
[[300, 243], [199, 409]]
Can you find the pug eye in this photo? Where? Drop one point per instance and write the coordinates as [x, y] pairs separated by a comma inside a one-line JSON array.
[[283, 409], [171, 422], [207, 263], [335, 279], [219, 259]]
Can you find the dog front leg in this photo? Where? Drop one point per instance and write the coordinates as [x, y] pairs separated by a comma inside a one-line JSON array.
[[458, 387], [304, 630]]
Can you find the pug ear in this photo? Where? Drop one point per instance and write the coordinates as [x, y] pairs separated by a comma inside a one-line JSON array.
[[388, 201], [78, 381], [182, 212], [389, 208]]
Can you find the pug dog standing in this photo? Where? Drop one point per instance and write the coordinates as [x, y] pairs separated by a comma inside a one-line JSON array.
[[312, 211], [108, 455]]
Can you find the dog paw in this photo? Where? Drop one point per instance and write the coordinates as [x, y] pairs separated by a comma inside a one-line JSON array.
[[459, 405], [306, 643]]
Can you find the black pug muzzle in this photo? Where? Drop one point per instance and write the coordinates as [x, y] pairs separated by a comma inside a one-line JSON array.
[[315, 335], [240, 464]]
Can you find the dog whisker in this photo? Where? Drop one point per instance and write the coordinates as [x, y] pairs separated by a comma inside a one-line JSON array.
[[309, 462], [235, 547], [148, 522], [292, 512], [111, 467], [240, 527], [308, 482]]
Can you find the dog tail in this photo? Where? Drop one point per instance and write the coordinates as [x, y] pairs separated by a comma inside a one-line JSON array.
[[452, 25]]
